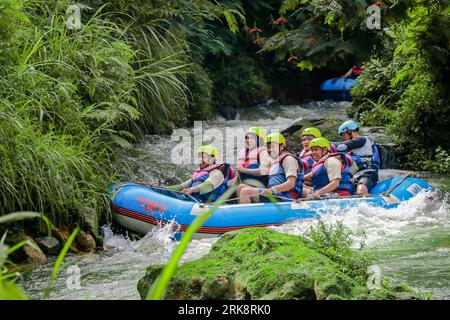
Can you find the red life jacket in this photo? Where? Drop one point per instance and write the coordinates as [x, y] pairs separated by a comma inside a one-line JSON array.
[[357, 70], [306, 157], [199, 172], [320, 176], [250, 159], [202, 174]]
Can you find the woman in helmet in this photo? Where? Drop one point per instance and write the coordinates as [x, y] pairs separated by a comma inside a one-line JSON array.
[[210, 180], [330, 174], [254, 161], [306, 156], [285, 174], [364, 152]]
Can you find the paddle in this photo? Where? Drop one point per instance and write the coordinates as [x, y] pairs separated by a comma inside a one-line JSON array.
[[387, 192], [153, 186], [179, 192]]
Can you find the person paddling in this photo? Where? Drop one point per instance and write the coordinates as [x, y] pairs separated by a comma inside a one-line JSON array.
[[285, 174], [210, 179], [330, 174], [364, 152]]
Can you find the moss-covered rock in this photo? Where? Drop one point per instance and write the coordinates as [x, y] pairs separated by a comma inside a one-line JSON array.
[[258, 263]]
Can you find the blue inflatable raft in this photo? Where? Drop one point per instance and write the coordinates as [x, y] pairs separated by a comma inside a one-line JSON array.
[[139, 208], [337, 89]]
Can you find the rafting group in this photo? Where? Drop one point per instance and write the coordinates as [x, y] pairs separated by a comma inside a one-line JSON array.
[[266, 170]]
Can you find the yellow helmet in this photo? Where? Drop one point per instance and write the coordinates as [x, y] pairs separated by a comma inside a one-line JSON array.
[[260, 132], [209, 149], [276, 137], [320, 142], [311, 132]]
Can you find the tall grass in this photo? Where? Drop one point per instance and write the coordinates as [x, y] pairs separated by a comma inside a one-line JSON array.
[[71, 99], [47, 172]]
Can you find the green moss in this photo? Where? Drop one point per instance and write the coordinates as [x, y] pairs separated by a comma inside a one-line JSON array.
[[259, 263]]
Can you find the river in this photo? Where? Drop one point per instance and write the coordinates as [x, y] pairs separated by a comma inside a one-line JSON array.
[[410, 243]]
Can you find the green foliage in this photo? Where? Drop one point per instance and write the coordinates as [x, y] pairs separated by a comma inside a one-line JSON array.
[[71, 98], [324, 33], [436, 161], [240, 83], [200, 86], [334, 242], [10, 15], [406, 89], [47, 172]]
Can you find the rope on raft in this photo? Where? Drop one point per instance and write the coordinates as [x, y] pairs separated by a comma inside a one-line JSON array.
[[386, 193]]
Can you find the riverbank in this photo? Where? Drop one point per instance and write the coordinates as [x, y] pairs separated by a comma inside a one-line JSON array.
[[42, 247]]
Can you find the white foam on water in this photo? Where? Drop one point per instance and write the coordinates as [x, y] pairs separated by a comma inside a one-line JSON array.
[[376, 224]]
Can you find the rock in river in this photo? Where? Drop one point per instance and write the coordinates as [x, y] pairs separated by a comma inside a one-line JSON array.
[[258, 263], [50, 245]]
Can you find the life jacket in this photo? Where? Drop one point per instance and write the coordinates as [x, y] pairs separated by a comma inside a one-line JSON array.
[[320, 178], [251, 160], [378, 4], [306, 156], [332, 148], [356, 71], [357, 160], [201, 175], [376, 158], [277, 175], [369, 155]]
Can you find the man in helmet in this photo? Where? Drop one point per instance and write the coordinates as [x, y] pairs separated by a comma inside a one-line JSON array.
[[365, 154], [285, 174], [254, 160], [210, 179], [330, 174]]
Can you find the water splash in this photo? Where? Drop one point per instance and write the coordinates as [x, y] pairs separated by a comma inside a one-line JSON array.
[[375, 225], [114, 273]]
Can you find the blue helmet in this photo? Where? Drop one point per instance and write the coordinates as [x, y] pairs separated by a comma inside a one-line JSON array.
[[348, 125]]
